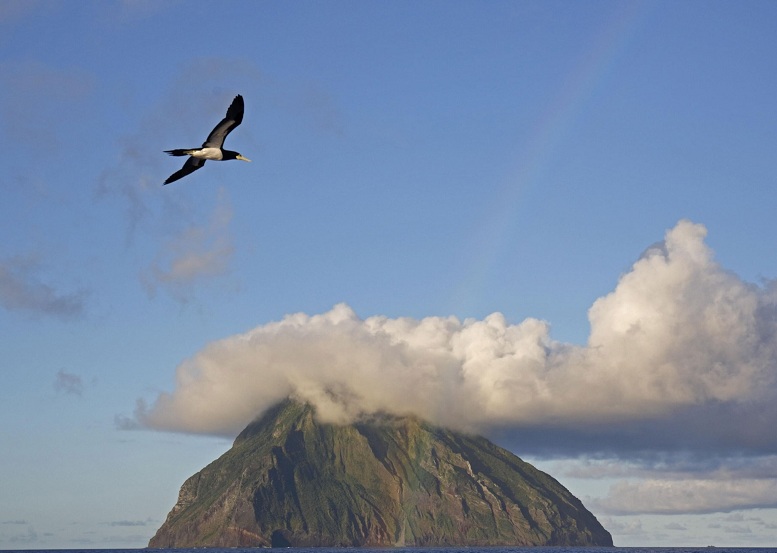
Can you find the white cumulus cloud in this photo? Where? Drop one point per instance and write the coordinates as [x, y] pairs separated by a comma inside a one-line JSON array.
[[679, 336]]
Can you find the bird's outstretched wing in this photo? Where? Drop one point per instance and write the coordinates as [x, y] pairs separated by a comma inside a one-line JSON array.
[[233, 118], [191, 165]]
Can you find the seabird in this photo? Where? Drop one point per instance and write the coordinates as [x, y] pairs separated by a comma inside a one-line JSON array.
[[212, 147]]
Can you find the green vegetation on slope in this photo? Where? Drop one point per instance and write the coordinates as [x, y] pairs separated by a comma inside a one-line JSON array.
[[386, 481]]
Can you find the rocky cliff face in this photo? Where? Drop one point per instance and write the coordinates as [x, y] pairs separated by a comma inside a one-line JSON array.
[[291, 481]]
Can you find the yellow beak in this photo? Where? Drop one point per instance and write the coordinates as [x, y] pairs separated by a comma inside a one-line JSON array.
[[241, 158]]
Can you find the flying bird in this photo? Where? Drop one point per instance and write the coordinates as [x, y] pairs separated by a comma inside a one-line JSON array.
[[212, 147]]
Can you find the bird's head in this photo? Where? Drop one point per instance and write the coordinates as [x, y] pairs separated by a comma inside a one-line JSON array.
[[230, 154]]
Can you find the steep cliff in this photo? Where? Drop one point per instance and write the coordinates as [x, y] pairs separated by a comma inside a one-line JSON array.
[[291, 481]]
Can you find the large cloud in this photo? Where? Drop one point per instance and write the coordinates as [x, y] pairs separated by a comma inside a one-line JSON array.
[[680, 342]]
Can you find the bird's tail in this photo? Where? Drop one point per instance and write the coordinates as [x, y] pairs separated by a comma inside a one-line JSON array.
[[179, 152]]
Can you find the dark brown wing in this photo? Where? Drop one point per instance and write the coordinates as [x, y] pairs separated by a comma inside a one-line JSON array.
[[191, 165], [233, 118]]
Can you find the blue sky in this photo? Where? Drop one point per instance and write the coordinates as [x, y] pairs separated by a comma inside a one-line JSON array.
[[548, 221]]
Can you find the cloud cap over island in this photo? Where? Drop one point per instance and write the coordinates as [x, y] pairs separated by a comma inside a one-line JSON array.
[[681, 352]]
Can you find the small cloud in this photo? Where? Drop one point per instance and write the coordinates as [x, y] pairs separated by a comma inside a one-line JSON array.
[[197, 254], [123, 422], [28, 537], [129, 523], [68, 383], [654, 496], [737, 529], [624, 528], [21, 290], [675, 526]]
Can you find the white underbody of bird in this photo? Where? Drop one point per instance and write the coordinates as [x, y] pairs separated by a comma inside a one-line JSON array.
[[213, 154]]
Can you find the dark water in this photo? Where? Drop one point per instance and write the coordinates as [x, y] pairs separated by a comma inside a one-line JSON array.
[[427, 550]]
